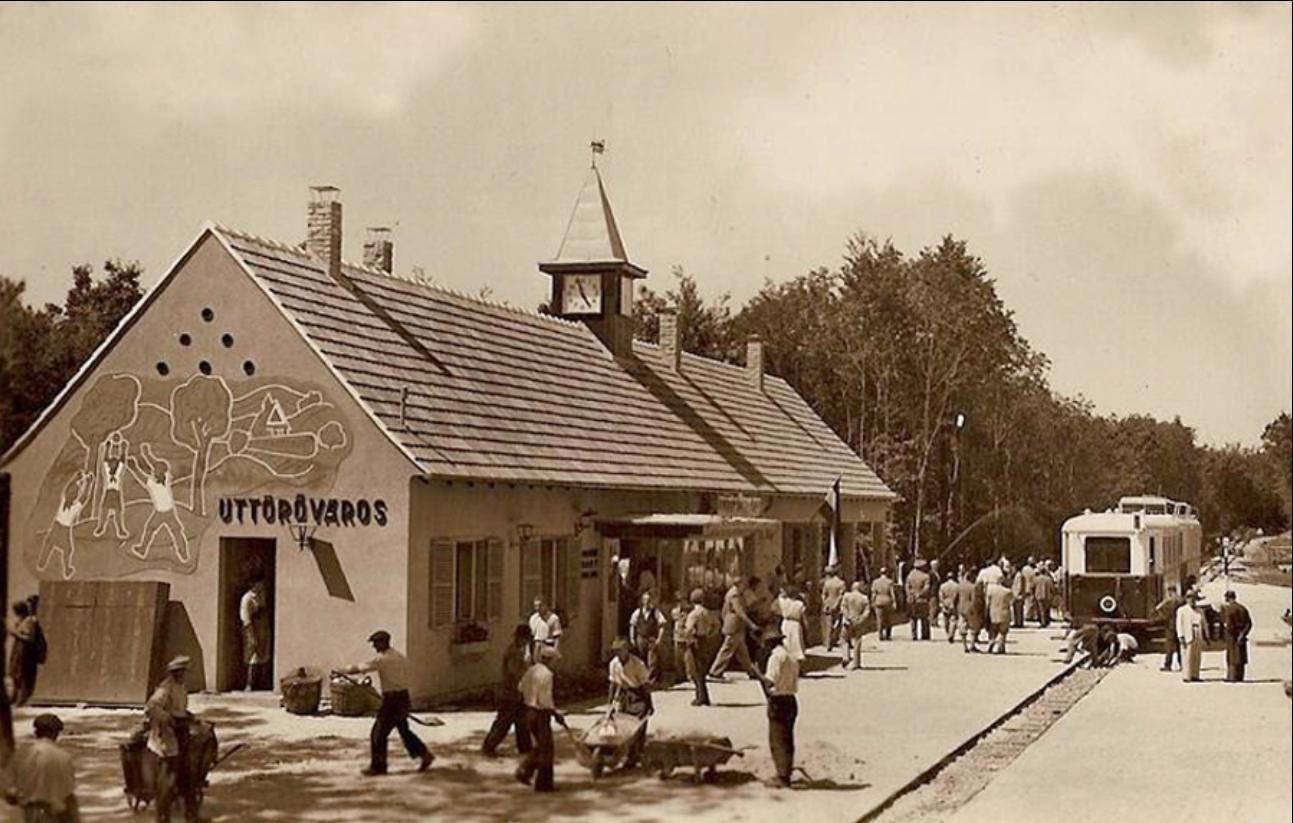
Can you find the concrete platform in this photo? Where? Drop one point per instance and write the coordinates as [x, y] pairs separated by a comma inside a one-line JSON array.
[[1146, 746], [861, 735]]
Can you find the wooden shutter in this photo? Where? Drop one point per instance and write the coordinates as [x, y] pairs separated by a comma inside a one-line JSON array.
[[531, 574], [441, 583], [574, 564], [494, 567]]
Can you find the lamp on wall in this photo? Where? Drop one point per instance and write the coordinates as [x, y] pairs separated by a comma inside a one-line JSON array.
[[583, 520], [524, 531], [302, 533]]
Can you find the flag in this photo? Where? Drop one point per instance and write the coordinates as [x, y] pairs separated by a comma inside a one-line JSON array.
[[833, 503]]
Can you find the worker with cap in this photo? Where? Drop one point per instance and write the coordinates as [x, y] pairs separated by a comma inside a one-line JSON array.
[[44, 779], [630, 687], [167, 760], [1191, 633], [833, 588], [781, 684], [696, 628], [540, 710], [393, 715]]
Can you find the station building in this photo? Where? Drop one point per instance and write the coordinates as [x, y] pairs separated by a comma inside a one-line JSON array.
[[385, 453]]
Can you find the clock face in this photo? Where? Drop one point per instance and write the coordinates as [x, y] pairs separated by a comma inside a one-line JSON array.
[[582, 294]]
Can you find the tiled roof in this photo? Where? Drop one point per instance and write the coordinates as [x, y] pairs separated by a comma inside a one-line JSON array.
[[475, 389]]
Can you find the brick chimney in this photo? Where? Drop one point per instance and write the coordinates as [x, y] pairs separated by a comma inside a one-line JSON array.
[[670, 345], [754, 361], [323, 227], [379, 251]]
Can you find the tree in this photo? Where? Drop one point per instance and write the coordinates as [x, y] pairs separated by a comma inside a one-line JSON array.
[[1277, 446], [703, 328], [201, 412]]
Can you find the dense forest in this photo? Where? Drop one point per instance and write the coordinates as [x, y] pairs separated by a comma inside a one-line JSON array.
[[913, 360]]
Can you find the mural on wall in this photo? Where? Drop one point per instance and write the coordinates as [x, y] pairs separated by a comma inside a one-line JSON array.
[[133, 486]]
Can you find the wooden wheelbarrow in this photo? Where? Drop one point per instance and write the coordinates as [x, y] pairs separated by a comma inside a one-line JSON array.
[[701, 754], [605, 744]]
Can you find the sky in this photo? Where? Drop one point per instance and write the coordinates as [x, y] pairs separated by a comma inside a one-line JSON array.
[[1124, 171]]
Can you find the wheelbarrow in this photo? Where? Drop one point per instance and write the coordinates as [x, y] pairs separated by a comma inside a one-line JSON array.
[[140, 783], [701, 754], [605, 744]]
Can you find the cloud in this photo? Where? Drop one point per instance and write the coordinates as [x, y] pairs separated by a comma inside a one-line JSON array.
[[196, 60]]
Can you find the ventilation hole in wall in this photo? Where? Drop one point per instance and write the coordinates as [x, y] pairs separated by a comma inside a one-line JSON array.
[[163, 369], [185, 339], [226, 340], [248, 368], [204, 367], [208, 315]]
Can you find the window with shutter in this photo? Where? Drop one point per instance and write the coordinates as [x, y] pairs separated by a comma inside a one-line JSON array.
[[494, 565], [442, 572]]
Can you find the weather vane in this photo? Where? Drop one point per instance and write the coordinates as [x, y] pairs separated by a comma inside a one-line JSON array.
[[598, 147]]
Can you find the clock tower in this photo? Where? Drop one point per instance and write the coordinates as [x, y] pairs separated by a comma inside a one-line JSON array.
[[592, 278]]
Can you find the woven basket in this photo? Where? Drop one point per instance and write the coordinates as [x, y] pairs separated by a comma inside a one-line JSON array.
[[301, 693], [354, 698]]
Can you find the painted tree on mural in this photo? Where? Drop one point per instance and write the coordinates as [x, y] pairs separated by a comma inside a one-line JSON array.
[[201, 413], [110, 406]]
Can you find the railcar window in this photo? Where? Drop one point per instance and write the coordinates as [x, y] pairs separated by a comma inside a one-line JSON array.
[[1108, 555]]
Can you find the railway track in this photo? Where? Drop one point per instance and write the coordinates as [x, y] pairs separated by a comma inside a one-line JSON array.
[[939, 791]]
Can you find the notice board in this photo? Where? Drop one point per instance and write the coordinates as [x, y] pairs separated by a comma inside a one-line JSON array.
[[105, 641]]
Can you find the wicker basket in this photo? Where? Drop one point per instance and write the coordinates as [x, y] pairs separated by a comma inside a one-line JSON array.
[[301, 693], [353, 698]]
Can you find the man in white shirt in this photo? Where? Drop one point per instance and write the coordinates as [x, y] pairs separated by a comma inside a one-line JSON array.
[[169, 720], [44, 776], [252, 616], [393, 674], [535, 687], [696, 628], [646, 627], [545, 625], [1191, 633], [630, 684], [833, 588], [781, 683], [855, 608]]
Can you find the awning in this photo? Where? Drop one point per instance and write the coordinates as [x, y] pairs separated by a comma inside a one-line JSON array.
[[682, 525]]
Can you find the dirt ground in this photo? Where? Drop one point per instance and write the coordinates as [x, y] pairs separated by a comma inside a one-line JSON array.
[[860, 735]]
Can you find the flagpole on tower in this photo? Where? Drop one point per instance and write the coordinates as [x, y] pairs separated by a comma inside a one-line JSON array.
[[598, 147]]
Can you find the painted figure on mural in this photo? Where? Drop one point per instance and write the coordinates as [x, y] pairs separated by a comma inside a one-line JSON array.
[[154, 474], [60, 537], [112, 472]]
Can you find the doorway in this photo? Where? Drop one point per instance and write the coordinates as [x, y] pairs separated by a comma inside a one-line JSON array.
[[243, 562]]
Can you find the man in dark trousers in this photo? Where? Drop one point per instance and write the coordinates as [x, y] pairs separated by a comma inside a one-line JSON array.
[[918, 593], [511, 709], [1166, 611], [540, 710], [781, 684], [1043, 586], [1236, 623], [883, 600], [393, 672]]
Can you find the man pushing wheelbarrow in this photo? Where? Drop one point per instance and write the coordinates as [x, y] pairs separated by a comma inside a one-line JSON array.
[[631, 694]]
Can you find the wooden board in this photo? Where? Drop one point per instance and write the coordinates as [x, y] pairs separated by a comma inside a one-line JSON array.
[[105, 641]]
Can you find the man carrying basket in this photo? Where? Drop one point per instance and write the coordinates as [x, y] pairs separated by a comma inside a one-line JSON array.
[[393, 671]]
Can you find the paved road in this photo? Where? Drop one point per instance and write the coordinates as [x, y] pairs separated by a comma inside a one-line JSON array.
[[1146, 747]]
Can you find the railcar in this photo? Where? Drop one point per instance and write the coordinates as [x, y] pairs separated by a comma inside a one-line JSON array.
[[1119, 563]]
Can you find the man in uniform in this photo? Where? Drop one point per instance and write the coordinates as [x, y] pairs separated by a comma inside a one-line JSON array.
[[781, 683], [967, 610], [1236, 623], [631, 690], [393, 672], [947, 604], [918, 594], [695, 628], [882, 600], [854, 610], [44, 777], [511, 710], [833, 588], [167, 760], [540, 710], [1043, 593], [1166, 612], [1029, 574], [646, 626], [735, 624]]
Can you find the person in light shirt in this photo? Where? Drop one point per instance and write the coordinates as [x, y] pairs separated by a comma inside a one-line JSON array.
[[1191, 634], [630, 684], [167, 759], [781, 684], [44, 776], [540, 710], [393, 715], [545, 625]]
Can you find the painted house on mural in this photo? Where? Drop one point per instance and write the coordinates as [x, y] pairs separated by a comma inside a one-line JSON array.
[[384, 453]]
